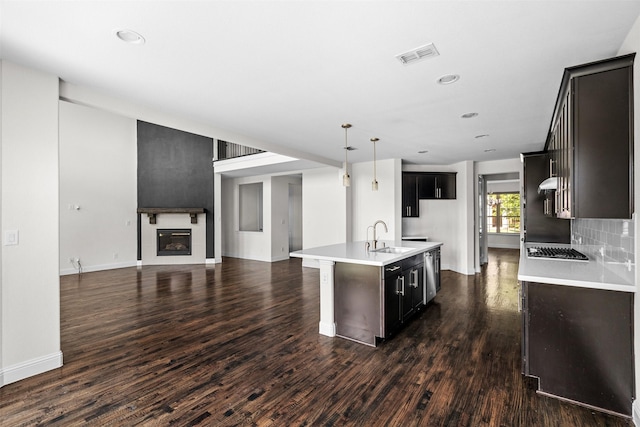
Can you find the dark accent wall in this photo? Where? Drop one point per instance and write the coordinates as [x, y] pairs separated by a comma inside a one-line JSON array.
[[175, 170]]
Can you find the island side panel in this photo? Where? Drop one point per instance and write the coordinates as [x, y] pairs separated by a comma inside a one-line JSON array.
[[327, 319], [357, 302]]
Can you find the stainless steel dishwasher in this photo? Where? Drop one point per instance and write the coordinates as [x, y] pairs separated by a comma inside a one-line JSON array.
[[431, 273]]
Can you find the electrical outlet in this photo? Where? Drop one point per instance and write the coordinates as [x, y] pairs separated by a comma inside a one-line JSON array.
[[115, 255], [10, 237]]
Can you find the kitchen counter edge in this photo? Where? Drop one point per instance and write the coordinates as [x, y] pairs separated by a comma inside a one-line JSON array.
[[595, 274], [356, 252]]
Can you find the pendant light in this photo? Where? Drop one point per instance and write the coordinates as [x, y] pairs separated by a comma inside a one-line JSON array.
[[374, 183], [346, 179]]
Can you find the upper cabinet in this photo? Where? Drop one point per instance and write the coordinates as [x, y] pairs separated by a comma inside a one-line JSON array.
[[425, 185], [590, 142], [437, 185], [410, 205]]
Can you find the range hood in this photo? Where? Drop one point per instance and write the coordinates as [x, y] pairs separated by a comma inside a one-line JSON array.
[[548, 184]]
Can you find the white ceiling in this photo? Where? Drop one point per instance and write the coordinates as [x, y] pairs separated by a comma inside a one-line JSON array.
[[289, 73]]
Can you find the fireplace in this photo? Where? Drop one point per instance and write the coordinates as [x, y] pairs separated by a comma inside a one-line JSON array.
[[172, 236], [175, 241]]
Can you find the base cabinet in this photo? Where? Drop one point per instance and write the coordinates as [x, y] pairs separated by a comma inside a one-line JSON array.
[[579, 343], [373, 302]]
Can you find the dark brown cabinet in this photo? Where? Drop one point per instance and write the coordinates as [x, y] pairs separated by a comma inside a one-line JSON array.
[[579, 343], [410, 205], [590, 141], [392, 299], [418, 186], [404, 292], [538, 223], [441, 185]]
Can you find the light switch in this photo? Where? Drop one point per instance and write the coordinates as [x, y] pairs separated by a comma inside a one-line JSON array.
[[10, 237]]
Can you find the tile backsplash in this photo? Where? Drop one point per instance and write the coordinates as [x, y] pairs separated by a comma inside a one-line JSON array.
[[616, 236]]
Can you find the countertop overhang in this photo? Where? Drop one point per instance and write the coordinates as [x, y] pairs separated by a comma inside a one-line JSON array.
[[595, 273], [356, 252]]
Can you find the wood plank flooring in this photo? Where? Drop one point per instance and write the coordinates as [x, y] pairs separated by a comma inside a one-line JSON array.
[[238, 345]]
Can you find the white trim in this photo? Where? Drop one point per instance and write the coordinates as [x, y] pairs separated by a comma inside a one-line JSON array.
[[30, 368], [636, 412], [213, 260], [327, 328], [90, 268], [504, 245]]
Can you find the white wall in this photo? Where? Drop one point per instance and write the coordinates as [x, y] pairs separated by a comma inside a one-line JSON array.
[[448, 221], [272, 243], [98, 174], [369, 206], [324, 207], [630, 45], [254, 245], [29, 285]]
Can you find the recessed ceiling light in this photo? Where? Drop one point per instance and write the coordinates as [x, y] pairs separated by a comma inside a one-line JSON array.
[[490, 150], [484, 135], [130, 36], [468, 115], [448, 79], [423, 151]]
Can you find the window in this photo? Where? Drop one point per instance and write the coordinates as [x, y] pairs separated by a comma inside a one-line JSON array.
[[503, 213], [250, 206]]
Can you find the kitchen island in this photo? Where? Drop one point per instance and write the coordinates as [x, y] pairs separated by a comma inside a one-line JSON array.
[[366, 294], [577, 328]]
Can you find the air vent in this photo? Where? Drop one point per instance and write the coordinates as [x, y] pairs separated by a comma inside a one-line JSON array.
[[418, 54]]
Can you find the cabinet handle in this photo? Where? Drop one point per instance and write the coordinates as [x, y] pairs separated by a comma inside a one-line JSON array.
[[414, 278], [401, 291], [393, 269], [409, 210]]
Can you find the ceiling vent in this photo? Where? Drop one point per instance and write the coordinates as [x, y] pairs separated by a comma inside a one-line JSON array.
[[418, 54]]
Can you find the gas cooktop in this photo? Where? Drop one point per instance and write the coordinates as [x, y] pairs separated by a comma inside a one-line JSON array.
[[556, 253]]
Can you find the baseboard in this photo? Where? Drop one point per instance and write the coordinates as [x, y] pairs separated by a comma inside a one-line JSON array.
[[90, 268], [30, 368], [505, 245], [636, 412]]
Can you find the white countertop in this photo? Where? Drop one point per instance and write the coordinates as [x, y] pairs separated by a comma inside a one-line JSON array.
[[595, 273], [356, 252]]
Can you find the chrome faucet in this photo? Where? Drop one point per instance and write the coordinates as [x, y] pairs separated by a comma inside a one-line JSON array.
[[375, 240]]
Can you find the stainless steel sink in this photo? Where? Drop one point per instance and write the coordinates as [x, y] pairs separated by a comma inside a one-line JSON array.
[[392, 250]]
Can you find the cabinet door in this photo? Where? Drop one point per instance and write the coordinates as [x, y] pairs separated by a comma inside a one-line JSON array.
[[406, 294], [427, 186], [410, 195], [603, 167], [579, 342], [392, 298], [416, 284], [447, 185]]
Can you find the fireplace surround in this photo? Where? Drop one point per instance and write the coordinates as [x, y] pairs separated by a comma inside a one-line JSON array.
[[172, 236]]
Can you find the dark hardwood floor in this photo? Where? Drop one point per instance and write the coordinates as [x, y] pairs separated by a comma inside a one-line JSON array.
[[238, 344]]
